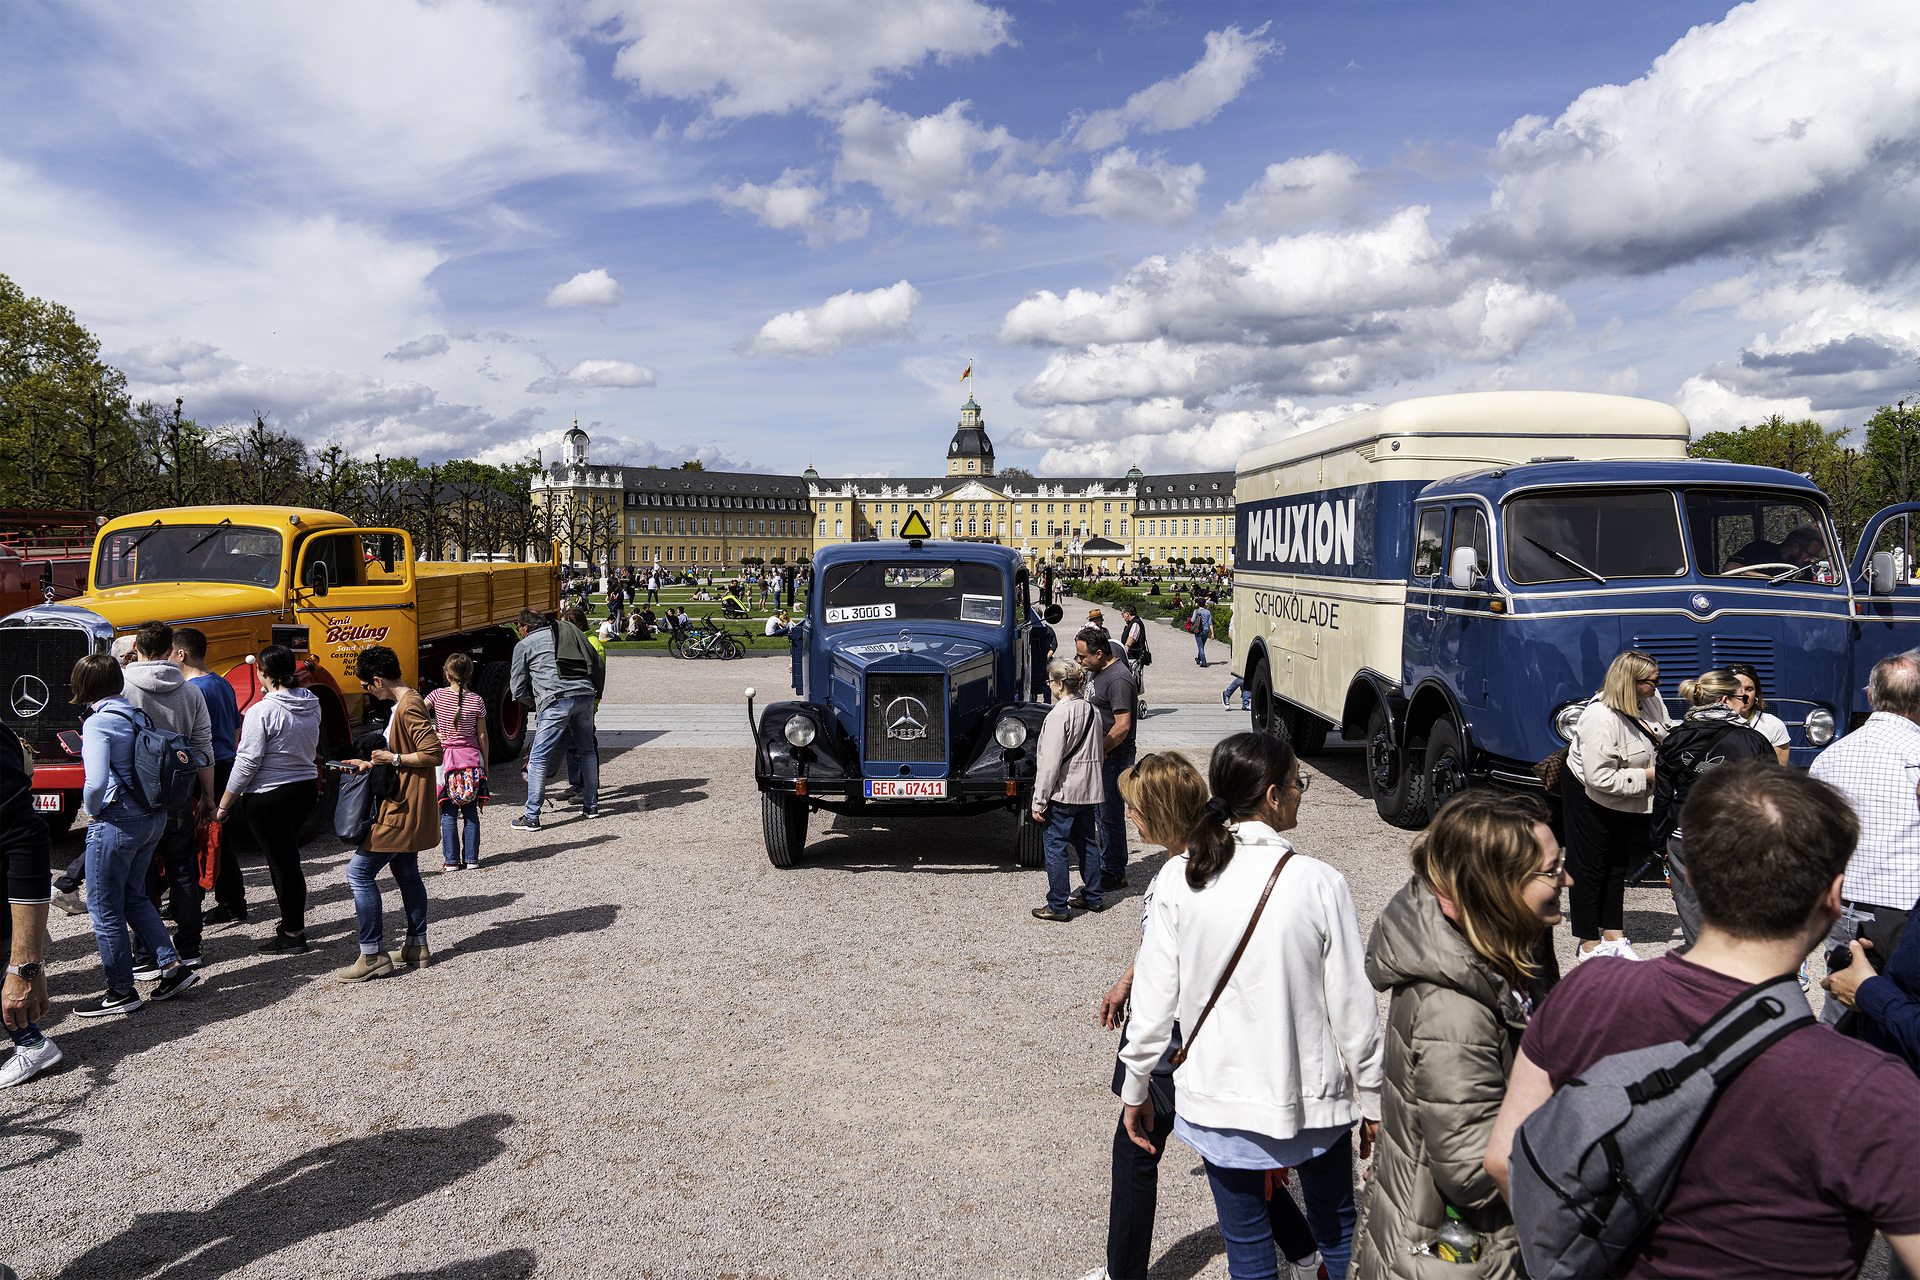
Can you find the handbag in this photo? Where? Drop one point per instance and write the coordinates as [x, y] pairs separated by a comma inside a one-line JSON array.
[[1550, 769], [1180, 1054]]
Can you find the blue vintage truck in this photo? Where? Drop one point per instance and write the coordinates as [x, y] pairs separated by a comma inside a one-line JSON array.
[[1448, 579], [911, 675]]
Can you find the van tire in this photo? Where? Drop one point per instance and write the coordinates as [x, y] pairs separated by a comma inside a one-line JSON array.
[[1028, 845], [1268, 715], [1444, 775], [506, 719], [1309, 733], [1399, 791], [783, 823]]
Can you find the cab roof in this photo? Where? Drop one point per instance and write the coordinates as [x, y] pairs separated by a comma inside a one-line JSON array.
[[930, 549], [257, 517], [1497, 483]]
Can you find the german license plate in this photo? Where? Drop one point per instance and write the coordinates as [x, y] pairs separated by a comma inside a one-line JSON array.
[[46, 802], [906, 788]]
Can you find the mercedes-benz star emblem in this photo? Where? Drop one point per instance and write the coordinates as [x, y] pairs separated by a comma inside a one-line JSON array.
[[30, 696], [906, 719]]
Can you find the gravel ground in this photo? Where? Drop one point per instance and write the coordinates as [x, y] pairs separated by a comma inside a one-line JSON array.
[[640, 1051]]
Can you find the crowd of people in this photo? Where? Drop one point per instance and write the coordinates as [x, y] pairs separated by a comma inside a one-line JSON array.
[[170, 761], [1249, 1019]]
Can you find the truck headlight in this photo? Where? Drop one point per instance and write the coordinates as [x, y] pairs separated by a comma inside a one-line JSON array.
[[1011, 732], [1565, 718], [799, 730], [1819, 726]]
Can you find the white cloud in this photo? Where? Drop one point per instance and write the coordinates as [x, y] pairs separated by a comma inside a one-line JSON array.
[[942, 168], [845, 320], [1298, 193], [1120, 188], [1193, 97], [420, 105], [750, 57], [1712, 407], [593, 288], [1163, 435], [593, 374], [1755, 133], [434, 344], [791, 201]]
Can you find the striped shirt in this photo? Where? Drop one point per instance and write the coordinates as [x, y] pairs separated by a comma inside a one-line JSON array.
[[456, 718], [1877, 768]]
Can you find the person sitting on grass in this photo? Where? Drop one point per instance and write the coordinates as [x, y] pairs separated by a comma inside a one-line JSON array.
[[778, 624]]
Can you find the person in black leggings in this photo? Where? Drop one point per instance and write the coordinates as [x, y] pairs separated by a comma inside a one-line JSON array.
[[275, 769]]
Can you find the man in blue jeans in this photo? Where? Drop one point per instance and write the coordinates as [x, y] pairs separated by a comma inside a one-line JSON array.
[[1202, 624], [553, 673], [1111, 690]]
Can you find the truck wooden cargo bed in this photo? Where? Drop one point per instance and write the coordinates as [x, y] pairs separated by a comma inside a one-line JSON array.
[[458, 597]]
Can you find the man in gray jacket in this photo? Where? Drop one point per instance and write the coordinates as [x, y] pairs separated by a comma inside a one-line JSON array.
[[157, 687], [553, 674]]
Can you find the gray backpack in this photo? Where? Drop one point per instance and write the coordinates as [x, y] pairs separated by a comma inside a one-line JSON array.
[[1593, 1168]]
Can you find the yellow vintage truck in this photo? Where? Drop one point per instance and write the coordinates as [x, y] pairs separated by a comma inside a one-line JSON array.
[[253, 576]]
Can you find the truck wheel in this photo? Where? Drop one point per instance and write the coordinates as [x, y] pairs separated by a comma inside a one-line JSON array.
[[506, 719], [1309, 732], [1027, 844], [1269, 716], [1399, 792], [783, 821], [1446, 773]]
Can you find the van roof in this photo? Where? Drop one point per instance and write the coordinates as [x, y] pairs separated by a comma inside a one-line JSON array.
[[1536, 417], [1495, 483]]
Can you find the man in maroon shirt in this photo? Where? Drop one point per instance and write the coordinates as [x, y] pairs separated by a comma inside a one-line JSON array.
[[1816, 1144]]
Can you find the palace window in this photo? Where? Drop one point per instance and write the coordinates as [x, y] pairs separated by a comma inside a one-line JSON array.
[[1107, 507], [973, 526], [823, 528], [1123, 528], [836, 528], [893, 528], [1106, 526]]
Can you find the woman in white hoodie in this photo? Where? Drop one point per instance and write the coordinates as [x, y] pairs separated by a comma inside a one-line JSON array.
[[275, 767], [1278, 1052]]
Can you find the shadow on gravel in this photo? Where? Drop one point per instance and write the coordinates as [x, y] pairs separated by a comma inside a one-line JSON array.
[[508, 1264], [980, 845], [661, 793], [1188, 1256], [325, 1190], [31, 1136], [516, 933], [536, 851], [1347, 768]]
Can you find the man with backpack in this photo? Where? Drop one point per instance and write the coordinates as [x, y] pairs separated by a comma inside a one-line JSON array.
[[1772, 1145], [155, 685], [557, 673]]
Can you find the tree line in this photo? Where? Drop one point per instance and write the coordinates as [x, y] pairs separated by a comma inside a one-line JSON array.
[[71, 438]]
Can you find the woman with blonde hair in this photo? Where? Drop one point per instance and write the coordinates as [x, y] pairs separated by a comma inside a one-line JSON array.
[[1166, 798], [1067, 792], [1607, 795], [1713, 732], [1456, 947]]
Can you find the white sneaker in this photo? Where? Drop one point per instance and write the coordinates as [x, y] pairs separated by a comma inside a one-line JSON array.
[[25, 1064], [1098, 1273], [1621, 947], [1309, 1268]]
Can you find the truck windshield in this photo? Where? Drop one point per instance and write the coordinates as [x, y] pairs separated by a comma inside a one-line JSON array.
[[1757, 534], [1580, 536], [189, 553], [878, 591]]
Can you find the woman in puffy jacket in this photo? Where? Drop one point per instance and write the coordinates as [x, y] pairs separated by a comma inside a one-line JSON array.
[[1606, 792], [1713, 732], [1456, 949], [1067, 792]]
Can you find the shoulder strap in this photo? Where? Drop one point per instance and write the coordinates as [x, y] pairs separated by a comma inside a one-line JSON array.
[[1086, 727], [1746, 1027], [1180, 1054]]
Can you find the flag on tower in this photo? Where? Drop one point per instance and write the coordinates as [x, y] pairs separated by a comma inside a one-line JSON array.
[[967, 374]]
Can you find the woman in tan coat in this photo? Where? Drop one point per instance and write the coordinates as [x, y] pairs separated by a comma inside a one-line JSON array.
[[408, 822]]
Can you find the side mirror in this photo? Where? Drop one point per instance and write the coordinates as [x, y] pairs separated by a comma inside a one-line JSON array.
[[1883, 576], [1465, 570], [1053, 614], [317, 578]]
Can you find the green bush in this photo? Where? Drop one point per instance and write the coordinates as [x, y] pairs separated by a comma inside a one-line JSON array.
[[1222, 615]]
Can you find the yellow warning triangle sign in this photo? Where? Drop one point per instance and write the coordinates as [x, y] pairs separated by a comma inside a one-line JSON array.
[[915, 527]]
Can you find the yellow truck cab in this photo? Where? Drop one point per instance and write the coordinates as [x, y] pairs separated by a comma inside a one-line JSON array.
[[252, 576]]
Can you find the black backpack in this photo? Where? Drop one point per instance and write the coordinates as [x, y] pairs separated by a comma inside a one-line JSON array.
[[1594, 1167]]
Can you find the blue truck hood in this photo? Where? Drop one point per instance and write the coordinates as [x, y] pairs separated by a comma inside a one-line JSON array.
[[865, 650]]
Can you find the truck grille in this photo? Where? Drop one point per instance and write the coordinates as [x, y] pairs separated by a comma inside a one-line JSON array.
[[36, 667], [906, 719], [1678, 656], [1756, 650]]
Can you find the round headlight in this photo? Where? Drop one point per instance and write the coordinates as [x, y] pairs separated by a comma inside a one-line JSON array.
[[799, 730], [1565, 718], [1819, 726], [1010, 732]]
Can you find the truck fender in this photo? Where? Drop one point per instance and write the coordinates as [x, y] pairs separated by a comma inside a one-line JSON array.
[[775, 757], [990, 759], [1431, 700], [1368, 690]]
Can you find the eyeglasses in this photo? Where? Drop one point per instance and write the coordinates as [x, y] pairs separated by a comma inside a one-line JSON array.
[[1553, 872], [1301, 782]]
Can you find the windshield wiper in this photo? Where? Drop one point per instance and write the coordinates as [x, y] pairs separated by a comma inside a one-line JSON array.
[[1567, 560], [203, 542], [129, 549], [848, 576]]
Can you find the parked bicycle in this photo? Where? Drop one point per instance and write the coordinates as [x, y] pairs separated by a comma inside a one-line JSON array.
[[714, 642]]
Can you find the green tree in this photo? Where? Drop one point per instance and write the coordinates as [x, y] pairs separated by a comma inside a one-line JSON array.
[[1804, 447], [66, 439]]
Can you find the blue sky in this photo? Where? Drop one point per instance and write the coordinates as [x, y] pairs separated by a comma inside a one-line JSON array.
[[766, 233]]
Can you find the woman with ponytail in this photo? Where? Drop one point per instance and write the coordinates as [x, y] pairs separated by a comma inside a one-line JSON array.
[[1256, 951]]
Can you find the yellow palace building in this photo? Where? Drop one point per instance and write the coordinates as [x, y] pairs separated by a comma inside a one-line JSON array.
[[688, 520]]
